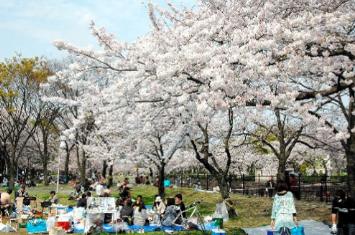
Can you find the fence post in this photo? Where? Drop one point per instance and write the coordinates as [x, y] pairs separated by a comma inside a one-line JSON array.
[[181, 180], [207, 182], [299, 187], [321, 192], [243, 184], [326, 188], [230, 184]]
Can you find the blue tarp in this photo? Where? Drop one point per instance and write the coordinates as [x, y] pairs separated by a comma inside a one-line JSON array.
[[151, 228]]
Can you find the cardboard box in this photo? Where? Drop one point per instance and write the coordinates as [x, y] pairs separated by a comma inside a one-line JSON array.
[[57, 231]]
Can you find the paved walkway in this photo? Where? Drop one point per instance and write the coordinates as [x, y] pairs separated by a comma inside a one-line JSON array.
[[311, 227]]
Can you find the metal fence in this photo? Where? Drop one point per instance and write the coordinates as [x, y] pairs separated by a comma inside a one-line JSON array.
[[310, 188]]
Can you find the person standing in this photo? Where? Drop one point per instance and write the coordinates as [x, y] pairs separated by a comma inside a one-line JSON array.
[[343, 214], [294, 186], [270, 185], [283, 209]]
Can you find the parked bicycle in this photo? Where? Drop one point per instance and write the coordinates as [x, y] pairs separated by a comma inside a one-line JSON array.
[[194, 219]]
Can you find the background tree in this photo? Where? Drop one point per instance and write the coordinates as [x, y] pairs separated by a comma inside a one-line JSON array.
[[19, 78]]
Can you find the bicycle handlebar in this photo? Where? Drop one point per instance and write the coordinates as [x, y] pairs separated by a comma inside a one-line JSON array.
[[196, 202]]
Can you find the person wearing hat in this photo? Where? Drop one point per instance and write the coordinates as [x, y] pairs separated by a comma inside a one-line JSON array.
[[23, 193], [159, 205]]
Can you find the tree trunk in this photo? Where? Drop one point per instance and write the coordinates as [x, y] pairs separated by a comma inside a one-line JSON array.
[[350, 157], [2, 169], [161, 178], [12, 168], [282, 168], [83, 168], [110, 178], [223, 186], [104, 167], [45, 177]]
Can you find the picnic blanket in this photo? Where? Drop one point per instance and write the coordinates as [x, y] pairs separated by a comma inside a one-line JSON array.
[[311, 227], [151, 228]]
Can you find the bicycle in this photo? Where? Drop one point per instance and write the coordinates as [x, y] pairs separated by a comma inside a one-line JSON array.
[[195, 218]]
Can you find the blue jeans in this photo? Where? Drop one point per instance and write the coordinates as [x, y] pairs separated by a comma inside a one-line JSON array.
[[351, 229], [348, 230]]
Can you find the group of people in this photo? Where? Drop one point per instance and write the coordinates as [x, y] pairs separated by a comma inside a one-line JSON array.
[[284, 215], [7, 204], [136, 213]]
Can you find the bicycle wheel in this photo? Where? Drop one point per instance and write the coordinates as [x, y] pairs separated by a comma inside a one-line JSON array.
[[201, 223]]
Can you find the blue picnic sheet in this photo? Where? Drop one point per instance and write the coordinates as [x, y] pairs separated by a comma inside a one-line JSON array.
[[151, 228]]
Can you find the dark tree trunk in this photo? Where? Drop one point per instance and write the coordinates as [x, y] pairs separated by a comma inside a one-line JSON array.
[[2, 168], [12, 168], [161, 178], [104, 167], [110, 178], [281, 169]]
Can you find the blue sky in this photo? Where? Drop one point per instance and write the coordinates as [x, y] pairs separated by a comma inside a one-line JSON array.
[[29, 26]]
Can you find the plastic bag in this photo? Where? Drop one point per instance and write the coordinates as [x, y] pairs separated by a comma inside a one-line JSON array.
[[7, 228], [221, 212], [51, 223]]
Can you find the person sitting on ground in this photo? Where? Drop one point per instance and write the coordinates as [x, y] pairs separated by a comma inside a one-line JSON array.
[[170, 213], [22, 193], [82, 201], [181, 205], [147, 181], [53, 198], [6, 201], [140, 215], [159, 206], [127, 211], [283, 213], [107, 191], [102, 180], [139, 200], [124, 189]]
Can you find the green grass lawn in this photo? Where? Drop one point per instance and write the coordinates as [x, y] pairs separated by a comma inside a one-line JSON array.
[[252, 211]]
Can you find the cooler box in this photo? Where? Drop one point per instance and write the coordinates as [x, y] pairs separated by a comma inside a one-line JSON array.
[[63, 222], [218, 222], [218, 232]]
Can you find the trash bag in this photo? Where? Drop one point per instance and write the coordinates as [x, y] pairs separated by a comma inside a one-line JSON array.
[[6, 228], [51, 223], [221, 212]]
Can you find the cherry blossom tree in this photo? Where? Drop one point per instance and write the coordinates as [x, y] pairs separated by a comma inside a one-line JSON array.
[[292, 56]]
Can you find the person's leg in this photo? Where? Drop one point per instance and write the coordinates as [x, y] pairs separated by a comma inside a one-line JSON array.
[[351, 229], [340, 231]]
